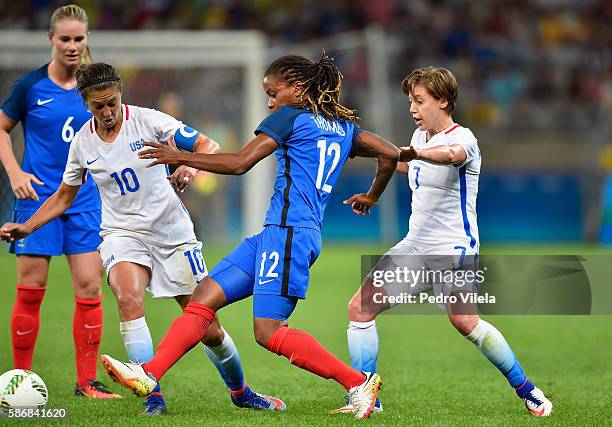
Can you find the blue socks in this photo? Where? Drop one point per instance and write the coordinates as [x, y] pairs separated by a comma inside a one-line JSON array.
[[492, 344], [363, 349]]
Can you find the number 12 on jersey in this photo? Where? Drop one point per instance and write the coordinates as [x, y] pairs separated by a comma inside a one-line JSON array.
[[332, 151]]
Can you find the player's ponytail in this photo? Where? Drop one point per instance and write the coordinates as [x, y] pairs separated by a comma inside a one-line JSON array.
[[71, 12], [321, 84], [86, 57]]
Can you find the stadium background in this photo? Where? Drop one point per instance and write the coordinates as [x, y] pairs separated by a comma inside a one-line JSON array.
[[535, 87]]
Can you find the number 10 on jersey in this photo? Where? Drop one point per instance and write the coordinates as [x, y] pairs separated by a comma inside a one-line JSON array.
[[196, 261], [124, 182]]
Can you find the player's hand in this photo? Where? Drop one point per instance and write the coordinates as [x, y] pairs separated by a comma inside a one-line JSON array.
[[361, 203], [11, 232], [164, 154], [407, 154], [182, 177], [21, 183]]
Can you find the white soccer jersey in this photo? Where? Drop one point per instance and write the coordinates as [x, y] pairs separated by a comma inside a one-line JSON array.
[[135, 199], [444, 196]]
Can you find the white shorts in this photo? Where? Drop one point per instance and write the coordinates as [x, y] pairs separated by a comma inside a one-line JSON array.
[[441, 269], [175, 270]]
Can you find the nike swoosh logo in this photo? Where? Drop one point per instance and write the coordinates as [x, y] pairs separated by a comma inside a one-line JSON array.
[[89, 162], [41, 102], [263, 282], [92, 326], [24, 332]]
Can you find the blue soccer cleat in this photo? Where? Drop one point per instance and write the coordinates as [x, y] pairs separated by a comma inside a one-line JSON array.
[[247, 398], [155, 404]]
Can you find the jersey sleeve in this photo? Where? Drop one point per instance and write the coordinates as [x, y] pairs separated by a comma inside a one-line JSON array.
[[167, 126], [469, 143], [74, 173], [15, 106], [279, 124]]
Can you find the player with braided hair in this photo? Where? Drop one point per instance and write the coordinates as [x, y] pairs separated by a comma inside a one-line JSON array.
[[312, 135], [321, 85]]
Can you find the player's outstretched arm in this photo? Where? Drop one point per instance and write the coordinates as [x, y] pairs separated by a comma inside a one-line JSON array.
[[221, 163], [442, 154], [53, 207], [368, 144]]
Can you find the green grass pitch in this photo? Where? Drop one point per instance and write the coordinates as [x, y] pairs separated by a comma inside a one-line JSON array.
[[432, 375]]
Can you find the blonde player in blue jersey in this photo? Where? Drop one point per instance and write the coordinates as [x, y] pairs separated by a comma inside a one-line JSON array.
[[148, 240], [443, 166], [50, 110], [311, 135]]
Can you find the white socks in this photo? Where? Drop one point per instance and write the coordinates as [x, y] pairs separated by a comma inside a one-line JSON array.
[[137, 340], [363, 345]]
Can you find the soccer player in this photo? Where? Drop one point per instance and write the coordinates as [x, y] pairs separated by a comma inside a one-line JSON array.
[[443, 165], [311, 135], [49, 108], [147, 236]]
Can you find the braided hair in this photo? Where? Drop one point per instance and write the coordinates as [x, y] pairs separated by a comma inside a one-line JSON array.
[[321, 82]]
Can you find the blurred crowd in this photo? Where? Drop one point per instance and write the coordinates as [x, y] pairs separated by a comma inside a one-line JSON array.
[[524, 64]]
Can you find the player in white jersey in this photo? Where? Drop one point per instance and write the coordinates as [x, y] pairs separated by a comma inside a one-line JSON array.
[[444, 196], [443, 166], [148, 237]]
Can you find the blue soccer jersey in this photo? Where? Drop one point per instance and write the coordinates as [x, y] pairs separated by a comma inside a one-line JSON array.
[[311, 152], [50, 117]]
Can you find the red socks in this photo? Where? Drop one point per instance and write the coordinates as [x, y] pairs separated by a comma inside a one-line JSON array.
[[25, 321], [304, 351], [87, 332], [184, 333]]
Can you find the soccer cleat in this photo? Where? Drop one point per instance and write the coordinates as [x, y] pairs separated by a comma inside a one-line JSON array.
[[247, 398], [155, 404], [129, 375], [95, 390], [349, 408], [537, 403], [363, 397]]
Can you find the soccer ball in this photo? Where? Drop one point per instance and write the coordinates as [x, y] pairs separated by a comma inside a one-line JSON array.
[[20, 388]]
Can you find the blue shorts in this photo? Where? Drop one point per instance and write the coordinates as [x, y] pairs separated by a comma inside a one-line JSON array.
[[274, 262], [238, 285], [67, 234]]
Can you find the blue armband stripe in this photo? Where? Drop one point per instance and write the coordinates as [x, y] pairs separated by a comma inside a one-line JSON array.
[[185, 137]]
